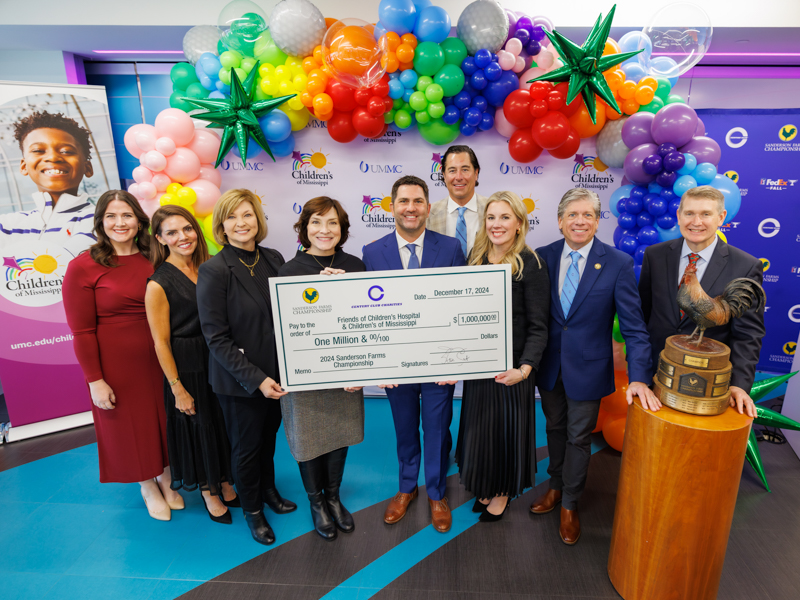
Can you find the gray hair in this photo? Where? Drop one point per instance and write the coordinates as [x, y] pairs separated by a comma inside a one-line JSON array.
[[579, 194], [704, 192]]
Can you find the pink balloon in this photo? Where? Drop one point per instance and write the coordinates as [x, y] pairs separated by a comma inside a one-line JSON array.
[[183, 166], [545, 59], [519, 65], [141, 158], [205, 144], [175, 124], [147, 190], [506, 60], [149, 206], [502, 125], [130, 138], [207, 196], [141, 174], [146, 140], [133, 189], [166, 146], [527, 76], [209, 173], [161, 181], [514, 45], [155, 161]]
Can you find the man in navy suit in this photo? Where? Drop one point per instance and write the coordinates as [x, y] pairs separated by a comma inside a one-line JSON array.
[[589, 282], [410, 246]]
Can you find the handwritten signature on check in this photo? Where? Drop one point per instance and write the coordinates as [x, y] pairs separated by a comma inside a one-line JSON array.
[[454, 355]]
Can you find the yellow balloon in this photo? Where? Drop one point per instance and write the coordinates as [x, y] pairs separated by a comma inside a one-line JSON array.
[[186, 196], [298, 118], [285, 88], [208, 228], [173, 188], [283, 73], [213, 247], [265, 69], [722, 236], [300, 82], [190, 209], [168, 199], [269, 85], [293, 61], [295, 103]]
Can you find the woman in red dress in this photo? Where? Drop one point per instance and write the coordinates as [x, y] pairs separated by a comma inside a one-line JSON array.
[[104, 301]]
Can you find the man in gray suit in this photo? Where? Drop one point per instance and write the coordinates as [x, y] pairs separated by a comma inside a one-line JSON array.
[[461, 213]]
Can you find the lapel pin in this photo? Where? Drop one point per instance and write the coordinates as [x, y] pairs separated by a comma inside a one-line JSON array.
[[596, 265]]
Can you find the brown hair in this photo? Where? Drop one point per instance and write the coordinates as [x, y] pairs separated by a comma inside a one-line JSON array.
[[103, 250], [159, 252], [409, 180], [46, 120], [229, 202], [319, 206]]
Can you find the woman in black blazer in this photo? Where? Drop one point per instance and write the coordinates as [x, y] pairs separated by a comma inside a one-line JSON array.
[[496, 450], [236, 318]]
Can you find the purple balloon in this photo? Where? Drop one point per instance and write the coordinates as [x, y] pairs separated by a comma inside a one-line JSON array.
[[652, 164], [675, 123], [674, 161], [666, 178], [625, 181], [701, 128], [523, 35], [704, 149], [533, 48], [525, 23], [544, 22], [633, 163], [636, 130], [666, 148], [512, 22]]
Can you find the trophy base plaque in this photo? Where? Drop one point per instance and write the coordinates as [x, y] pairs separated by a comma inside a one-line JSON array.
[[694, 378]]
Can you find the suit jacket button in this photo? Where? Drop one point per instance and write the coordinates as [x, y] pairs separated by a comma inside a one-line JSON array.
[[565, 327]]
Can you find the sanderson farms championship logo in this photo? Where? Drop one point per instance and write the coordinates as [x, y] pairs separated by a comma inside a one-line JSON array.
[[33, 272]]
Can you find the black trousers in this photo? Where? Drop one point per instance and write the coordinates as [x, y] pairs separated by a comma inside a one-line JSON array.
[[252, 424], [569, 429]]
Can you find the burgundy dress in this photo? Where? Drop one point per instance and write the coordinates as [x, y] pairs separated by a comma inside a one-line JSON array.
[[105, 311]]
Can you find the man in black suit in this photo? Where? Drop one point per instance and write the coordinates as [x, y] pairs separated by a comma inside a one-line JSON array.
[[701, 212]]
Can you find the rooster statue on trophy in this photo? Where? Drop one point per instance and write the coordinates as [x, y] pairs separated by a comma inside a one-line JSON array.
[[694, 373]]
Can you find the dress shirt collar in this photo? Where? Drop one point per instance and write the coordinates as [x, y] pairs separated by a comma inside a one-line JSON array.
[[419, 241], [705, 253], [584, 252], [472, 205]]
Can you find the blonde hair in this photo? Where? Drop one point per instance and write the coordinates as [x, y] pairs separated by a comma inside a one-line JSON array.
[[514, 255], [229, 202]]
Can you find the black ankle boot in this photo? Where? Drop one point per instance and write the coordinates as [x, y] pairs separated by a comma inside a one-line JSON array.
[[259, 528], [278, 504], [334, 465], [311, 471]]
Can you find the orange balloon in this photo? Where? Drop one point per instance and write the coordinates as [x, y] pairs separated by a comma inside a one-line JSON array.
[[648, 81], [616, 402], [611, 114], [582, 122], [354, 50], [324, 116], [601, 417], [409, 39], [611, 47], [614, 79], [614, 431], [405, 53], [319, 57], [316, 85], [309, 64], [307, 99], [329, 21], [323, 104], [390, 62], [629, 107], [627, 90], [644, 94], [405, 66], [393, 40]]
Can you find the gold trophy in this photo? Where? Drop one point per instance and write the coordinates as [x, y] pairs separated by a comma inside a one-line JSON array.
[[694, 373]]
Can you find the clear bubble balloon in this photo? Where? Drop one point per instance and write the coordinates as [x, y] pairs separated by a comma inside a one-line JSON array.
[[199, 40], [297, 27], [483, 24], [353, 54], [242, 24], [681, 31]]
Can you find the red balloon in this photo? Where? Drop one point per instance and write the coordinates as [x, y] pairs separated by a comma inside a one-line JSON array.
[[341, 94], [388, 104], [555, 100], [540, 89], [516, 108], [568, 148], [538, 108], [573, 107], [521, 146], [551, 130], [367, 125], [381, 89], [375, 106], [362, 96], [340, 127]]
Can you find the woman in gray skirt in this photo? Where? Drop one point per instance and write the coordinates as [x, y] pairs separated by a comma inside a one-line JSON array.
[[320, 425]]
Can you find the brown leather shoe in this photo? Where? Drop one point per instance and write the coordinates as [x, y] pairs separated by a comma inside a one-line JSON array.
[[545, 504], [398, 506], [570, 529], [441, 517]]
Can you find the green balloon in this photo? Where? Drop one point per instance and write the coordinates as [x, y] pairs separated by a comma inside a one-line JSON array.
[[389, 117], [663, 89], [398, 104], [428, 58], [450, 78], [221, 47], [230, 59], [422, 117], [402, 118], [183, 75], [434, 92], [225, 76], [616, 333], [259, 94], [248, 64], [195, 90], [454, 51], [436, 109], [675, 99], [176, 102], [439, 133], [656, 105], [272, 55], [423, 83], [417, 101]]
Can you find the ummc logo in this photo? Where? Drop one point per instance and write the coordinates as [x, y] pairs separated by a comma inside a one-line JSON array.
[[769, 227], [520, 170], [736, 137], [787, 133], [375, 293], [238, 166], [368, 168]]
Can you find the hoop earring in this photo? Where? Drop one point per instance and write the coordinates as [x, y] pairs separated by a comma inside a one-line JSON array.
[[140, 227]]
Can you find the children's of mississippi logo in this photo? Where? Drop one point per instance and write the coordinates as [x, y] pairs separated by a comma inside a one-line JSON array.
[[310, 295], [33, 276], [583, 176], [437, 176], [377, 211], [530, 206], [311, 168]]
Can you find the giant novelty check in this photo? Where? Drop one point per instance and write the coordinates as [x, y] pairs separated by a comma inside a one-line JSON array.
[[379, 327]]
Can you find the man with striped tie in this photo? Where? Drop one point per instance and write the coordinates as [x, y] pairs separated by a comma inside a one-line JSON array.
[[590, 282], [461, 213]]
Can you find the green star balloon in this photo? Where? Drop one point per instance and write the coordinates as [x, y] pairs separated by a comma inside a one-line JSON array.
[[584, 65], [765, 386], [238, 115]]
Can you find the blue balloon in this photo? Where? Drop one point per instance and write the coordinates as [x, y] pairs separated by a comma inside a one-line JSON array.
[[497, 91], [407, 94], [395, 75], [284, 148], [533, 48], [478, 80], [409, 78], [433, 24], [470, 90], [628, 244], [636, 40], [276, 126], [654, 188], [617, 195], [664, 66], [674, 161], [657, 207], [638, 256], [683, 184], [207, 82], [420, 4], [648, 199], [467, 130], [666, 221], [487, 121], [668, 234], [216, 95], [704, 173], [627, 221], [668, 195], [647, 236], [634, 205], [645, 219], [462, 99], [689, 165], [468, 66], [399, 16], [472, 116], [210, 64], [733, 197], [633, 71], [253, 149], [639, 192], [493, 71], [447, 100], [618, 233], [451, 115], [480, 103], [225, 89], [396, 89], [482, 58], [674, 205], [379, 31], [620, 207]]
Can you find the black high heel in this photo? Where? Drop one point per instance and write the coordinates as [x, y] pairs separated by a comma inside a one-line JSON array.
[[225, 518], [235, 503], [487, 517], [479, 506]]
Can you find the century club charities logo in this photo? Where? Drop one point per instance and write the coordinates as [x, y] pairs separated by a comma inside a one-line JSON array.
[[311, 168], [377, 211], [769, 227], [777, 185], [366, 167], [765, 265], [375, 293], [736, 137], [310, 295], [794, 314], [33, 273], [437, 175], [786, 135]]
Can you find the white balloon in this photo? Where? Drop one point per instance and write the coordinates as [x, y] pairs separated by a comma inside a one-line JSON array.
[[197, 40], [297, 27], [483, 24], [610, 147]]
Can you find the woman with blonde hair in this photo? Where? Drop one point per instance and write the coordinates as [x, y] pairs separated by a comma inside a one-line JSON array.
[[496, 450], [233, 300], [199, 450]]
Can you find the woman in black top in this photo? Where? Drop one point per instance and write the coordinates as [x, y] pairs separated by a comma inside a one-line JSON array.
[[496, 450], [320, 425], [236, 318]]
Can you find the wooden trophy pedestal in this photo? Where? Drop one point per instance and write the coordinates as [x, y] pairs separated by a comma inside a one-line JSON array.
[[694, 378]]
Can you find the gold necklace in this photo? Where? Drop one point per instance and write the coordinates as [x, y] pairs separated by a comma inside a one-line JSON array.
[[253, 266], [320, 264]]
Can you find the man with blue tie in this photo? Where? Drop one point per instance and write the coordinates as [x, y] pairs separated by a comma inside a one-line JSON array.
[[590, 282], [410, 246]]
